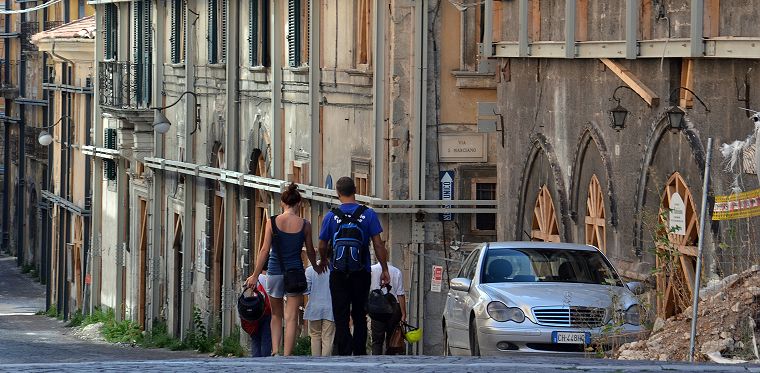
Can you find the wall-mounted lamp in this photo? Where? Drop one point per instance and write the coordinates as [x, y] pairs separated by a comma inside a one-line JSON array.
[[45, 138], [618, 114], [161, 123], [676, 115]]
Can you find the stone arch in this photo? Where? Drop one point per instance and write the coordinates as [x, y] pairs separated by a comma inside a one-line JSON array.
[[659, 138], [541, 169], [591, 140]]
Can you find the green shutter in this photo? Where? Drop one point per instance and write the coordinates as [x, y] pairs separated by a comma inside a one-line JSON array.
[[212, 32], [294, 33], [253, 32], [223, 30], [109, 165], [110, 27], [173, 36]]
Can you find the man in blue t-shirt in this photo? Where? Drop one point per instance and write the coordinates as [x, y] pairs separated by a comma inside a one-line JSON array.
[[349, 290]]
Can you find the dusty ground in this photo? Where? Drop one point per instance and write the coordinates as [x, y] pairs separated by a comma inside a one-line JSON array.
[[729, 316]]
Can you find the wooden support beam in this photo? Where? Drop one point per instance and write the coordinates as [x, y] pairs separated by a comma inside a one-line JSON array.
[[648, 95], [686, 99], [711, 27], [535, 24], [581, 20], [646, 20]]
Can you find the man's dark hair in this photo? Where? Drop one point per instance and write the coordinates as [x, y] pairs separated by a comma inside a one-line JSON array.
[[345, 186]]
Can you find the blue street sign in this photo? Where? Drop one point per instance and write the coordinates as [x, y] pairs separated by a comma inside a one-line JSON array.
[[447, 192]]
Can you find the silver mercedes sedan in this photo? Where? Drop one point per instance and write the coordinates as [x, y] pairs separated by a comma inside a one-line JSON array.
[[538, 297]]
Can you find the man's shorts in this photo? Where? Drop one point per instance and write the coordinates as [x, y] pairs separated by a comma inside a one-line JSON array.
[[276, 287]]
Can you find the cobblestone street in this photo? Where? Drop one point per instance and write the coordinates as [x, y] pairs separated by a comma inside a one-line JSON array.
[[31, 343]]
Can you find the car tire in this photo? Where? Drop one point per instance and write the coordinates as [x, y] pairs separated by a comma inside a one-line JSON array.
[[474, 346], [446, 347]]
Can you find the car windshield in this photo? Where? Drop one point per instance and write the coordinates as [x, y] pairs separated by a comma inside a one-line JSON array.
[[547, 265]]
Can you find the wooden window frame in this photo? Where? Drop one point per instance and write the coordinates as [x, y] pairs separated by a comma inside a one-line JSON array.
[[178, 37], [258, 33], [473, 190], [363, 35]]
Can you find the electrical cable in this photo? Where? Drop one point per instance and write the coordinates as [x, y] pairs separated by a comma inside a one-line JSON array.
[[29, 10]]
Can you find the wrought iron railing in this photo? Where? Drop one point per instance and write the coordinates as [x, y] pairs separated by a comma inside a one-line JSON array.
[[51, 24], [8, 74], [27, 30], [124, 85]]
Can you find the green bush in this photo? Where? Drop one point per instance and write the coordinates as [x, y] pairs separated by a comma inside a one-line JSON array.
[[26, 268], [76, 319], [231, 346], [197, 337], [303, 346], [52, 311], [158, 337]]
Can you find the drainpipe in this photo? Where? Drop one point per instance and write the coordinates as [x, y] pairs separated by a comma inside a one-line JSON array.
[[45, 263], [97, 171], [315, 67], [6, 139], [232, 155], [420, 143], [378, 98], [188, 226], [87, 287], [276, 111], [20, 193], [62, 301]]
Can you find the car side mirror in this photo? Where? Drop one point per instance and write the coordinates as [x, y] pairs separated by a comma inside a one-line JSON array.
[[636, 287], [460, 284]]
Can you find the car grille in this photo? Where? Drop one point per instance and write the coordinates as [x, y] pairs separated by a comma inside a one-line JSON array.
[[584, 317]]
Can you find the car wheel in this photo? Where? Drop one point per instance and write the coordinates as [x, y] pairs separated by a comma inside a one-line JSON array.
[[446, 347], [474, 347]]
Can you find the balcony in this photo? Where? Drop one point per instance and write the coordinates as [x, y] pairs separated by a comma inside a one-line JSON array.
[[27, 30], [9, 79], [124, 90]]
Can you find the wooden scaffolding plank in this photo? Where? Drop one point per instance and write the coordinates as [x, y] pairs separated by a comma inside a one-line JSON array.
[[648, 95]]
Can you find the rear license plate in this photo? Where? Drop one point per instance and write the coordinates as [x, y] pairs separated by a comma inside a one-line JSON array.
[[571, 338]]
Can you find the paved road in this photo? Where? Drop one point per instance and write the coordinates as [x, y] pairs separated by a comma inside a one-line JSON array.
[[31, 343]]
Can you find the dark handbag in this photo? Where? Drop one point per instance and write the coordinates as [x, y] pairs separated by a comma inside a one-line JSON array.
[[293, 279], [381, 306]]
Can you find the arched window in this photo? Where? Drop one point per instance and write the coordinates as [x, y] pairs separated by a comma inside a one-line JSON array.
[[544, 226], [596, 225]]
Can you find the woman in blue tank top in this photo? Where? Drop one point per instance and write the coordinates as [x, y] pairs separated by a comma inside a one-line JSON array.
[[282, 252]]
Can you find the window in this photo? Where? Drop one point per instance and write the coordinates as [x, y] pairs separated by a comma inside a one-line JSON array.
[[484, 189], [217, 31], [360, 173], [298, 32], [595, 223], [109, 165], [178, 31], [258, 33], [544, 225], [468, 268], [472, 31], [363, 32], [80, 9], [111, 27]]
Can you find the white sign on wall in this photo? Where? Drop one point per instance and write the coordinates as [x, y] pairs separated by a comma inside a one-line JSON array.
[[677, 215], [437, 280]]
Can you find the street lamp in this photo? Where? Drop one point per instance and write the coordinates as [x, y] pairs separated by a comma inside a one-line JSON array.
[[618, 114], [161, 123], [676, 115], [45, 138]]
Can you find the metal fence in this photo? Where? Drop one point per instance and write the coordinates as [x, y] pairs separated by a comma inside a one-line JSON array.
[[51, 24], [27, 30]]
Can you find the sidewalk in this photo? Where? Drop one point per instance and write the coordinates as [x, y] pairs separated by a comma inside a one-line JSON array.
[[19, 295]]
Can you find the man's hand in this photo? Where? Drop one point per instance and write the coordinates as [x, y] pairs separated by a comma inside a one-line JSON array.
[[322, 266], [385, 277]]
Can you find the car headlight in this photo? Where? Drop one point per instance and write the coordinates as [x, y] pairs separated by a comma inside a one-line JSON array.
[[633, 315], [500, 312]]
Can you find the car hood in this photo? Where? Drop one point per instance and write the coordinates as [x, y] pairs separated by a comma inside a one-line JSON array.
[[529, 295]]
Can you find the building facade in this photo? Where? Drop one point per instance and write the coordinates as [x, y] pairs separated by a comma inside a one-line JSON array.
[[570, 175], [260, 93]]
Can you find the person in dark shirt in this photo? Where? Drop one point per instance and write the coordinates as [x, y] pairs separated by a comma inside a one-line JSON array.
[[349, 290]]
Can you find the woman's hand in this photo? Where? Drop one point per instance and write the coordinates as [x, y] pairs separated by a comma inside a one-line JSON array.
[[251, 281]]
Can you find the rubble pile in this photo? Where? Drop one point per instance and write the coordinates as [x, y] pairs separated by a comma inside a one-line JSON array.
[[90, 332], [728, 325]]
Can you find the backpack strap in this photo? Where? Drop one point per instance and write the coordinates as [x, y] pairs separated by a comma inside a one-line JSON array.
[[275, 235], [339, 213], [358, 212]]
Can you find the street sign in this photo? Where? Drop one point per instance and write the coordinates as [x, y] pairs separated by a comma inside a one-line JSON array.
[[435, 283], [447, 192]]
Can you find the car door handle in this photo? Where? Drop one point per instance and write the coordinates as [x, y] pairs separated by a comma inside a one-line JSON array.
[[456, 297]]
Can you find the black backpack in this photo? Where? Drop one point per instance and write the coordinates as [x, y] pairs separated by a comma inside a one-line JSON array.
[[348, 242]]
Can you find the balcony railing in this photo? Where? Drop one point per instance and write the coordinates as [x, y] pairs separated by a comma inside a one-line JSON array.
[[124, 85], [8, 74], [27, 30], [51, 24]]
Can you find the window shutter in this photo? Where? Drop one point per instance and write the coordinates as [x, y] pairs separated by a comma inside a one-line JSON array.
[[135, 70], [147, 51], [253, 32], [294, 32], [223, 32], [212, 31], [264, 15], [173, 35], [109, 165], [109, 26], [304, 45]]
